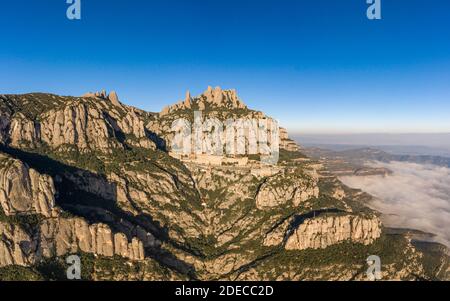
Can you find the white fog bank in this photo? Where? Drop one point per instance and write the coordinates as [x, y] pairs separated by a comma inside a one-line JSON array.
[[415, 196]]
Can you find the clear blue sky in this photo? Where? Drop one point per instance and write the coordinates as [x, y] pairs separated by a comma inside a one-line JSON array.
[[317, 65]]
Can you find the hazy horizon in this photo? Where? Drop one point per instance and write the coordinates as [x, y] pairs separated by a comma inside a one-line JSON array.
[[420, 142]]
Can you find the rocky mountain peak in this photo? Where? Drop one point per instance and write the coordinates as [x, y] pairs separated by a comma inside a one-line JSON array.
[[188, 100], [212, 98], [222, 98], [112, 96]]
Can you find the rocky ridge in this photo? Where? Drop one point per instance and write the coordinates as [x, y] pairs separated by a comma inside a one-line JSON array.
[[89, 122]]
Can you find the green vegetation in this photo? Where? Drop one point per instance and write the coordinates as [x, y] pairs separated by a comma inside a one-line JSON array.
[[287, 156], [29, 223], [436, 261], [52, 269], [34, 104], [18, 273]]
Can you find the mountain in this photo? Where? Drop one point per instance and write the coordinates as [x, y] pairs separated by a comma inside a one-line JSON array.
[[354, 161], [94, 177]]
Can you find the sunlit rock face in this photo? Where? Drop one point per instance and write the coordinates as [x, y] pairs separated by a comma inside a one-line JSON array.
[[321, 232], [24, 190]]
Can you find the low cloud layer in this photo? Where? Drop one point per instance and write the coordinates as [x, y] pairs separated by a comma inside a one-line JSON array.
[[415, 196]]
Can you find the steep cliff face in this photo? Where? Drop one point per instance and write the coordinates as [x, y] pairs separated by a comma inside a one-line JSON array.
[[69, 236], [15, 246], [61, 237], [292, 186], [77, 125], [322, 232], [23, 130], [90, 175], [24, 190], [286, 142]]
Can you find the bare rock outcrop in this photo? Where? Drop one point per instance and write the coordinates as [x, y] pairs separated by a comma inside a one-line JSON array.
[[129, 122], [222, 105], [223, 98], [148, 191], [23, 130], [90, 122], [275, 236], [188, 100], [321, 232], [16, 246], [63, 236], [80, 125], [133, 124], [25, 191], [287, 143], [59, 237], [213, 97], [286, 188], [114, 98]]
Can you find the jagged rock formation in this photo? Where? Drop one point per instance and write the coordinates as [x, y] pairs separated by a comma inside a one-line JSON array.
[[211, 98], [24, 190], [95, 121], [218, 104], [59, 237], [293, 186], [114, 99], [77, 125], [15, 246], [112, 96], [92, 176], [319, 233], [23, 129], [68, 236]]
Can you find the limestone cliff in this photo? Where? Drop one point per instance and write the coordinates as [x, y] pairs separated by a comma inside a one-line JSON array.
[[61, 237], [94, 122], [293, 187], [321, 232], [68, 236], [24, 190], [15, 246]]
